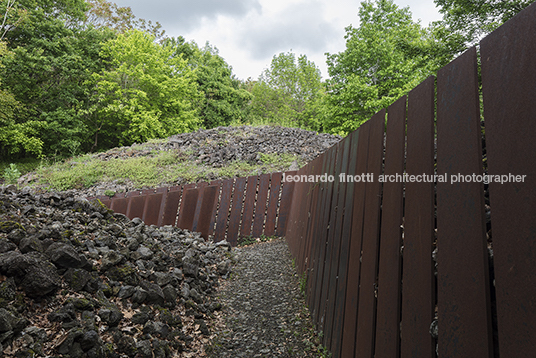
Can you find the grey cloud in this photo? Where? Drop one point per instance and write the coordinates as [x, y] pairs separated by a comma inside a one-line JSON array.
[[300, 28], [185, 15]]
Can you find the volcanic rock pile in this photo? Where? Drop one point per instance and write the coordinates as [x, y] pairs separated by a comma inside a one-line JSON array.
[[78, 280], [222, 145]]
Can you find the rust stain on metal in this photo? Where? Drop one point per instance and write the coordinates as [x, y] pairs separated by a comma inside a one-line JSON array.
[[273, 202], [207, 210], [236, 211], [249, 205], [260, 205], [188, 205], [172, 205], [223, 211]]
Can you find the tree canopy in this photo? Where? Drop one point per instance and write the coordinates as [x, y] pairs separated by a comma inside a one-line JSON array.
[[288, 92], [86, 75]]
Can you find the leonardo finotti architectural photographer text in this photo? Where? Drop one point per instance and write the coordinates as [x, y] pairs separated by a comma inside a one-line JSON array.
[[406, 178]]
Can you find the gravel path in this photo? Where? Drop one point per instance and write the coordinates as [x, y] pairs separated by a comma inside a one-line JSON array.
[[264, 311]]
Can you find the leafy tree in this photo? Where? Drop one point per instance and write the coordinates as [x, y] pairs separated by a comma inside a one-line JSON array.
[[223, 100], [49, 58], [385, 57], [475, 18], [144, 93], [104, 14], [15, 137], [288, 92]]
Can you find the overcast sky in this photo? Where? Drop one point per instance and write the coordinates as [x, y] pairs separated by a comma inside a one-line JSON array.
[[248, 33]]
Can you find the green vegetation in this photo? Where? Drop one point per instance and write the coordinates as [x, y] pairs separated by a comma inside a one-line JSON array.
[[288, 93], [84, 76], [11, 174], [163, 167]]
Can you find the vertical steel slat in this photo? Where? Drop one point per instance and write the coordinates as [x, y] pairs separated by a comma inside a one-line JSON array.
[[212, 226], [201, 186], [152, 208], [236, 211], [418, 292], [342, 271], [335, 209], [136, 206], [119, 204], [354, 252], [249, 206], [260, 206], [314, 214], [332, 278], [188, 206], [208, 206], [463, 273], [321, 237], [172, 205], [389, 275], [104, 200], [223, 211], [305, 216], [181, 206], [162, 208], [366, 315], [508, 82], [315, 203], [287, 192], [312, 193], [129, 195], [273, 201]]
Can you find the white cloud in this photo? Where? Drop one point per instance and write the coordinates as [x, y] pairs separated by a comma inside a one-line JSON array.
[[249, 33]]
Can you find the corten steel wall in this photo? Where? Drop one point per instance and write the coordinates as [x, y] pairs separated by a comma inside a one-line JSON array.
[[228, 209], [366, 248]]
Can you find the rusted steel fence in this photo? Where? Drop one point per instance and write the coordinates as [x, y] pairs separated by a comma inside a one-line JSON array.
[[387, 261], [224, 209]]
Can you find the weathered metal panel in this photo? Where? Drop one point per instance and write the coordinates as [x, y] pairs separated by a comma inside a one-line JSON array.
[[212, 226], [260, 205], [418, 292], [136, 206], [249, 206], [321, 238], [182, 207], [208, 207], [389, 275], [172, 205], [164, 191], [287, 192], [119, 204], [354, 251], [313, 194], [201, 186], [342, 273], [332, 278], [463, 282], [509, 91], [103, 199], [236, 211], [366, 315], [152, 209], [331, 241], [312, 221], [273, 202], [306, 214], [188, 206], [223, 211]]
